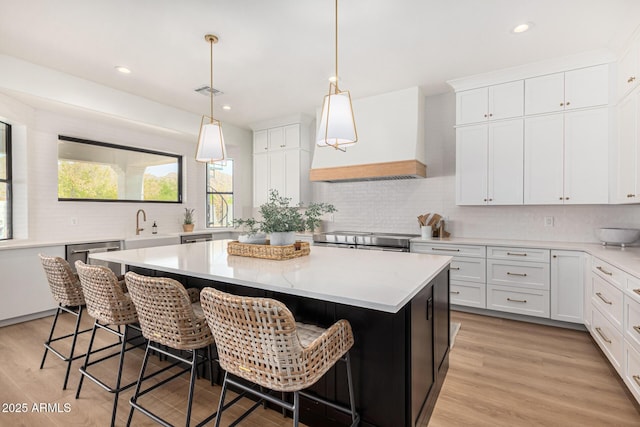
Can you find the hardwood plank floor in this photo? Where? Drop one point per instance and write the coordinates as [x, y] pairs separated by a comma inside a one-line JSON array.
[[502, 373]]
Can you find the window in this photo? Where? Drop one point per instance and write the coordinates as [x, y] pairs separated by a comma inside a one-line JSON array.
[[6, 226], [99, 171], [220, 194]]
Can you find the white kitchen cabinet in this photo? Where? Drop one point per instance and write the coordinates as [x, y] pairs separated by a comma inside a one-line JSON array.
[[629, 68], [281, 162], [502, 101], [489, 164], [609, 339], [566, 158], [581, 88], [510, 299], [628, 164], [567, 285]]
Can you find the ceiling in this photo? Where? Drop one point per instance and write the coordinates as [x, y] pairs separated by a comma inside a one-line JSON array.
[[274, 57]]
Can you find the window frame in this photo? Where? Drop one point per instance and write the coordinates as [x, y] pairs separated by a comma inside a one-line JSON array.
[[9, 182], [222, 193]]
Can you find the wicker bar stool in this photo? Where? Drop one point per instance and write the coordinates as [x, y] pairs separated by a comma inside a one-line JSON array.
[[259, 340], [170, 316], [67, 291], [108, 304]]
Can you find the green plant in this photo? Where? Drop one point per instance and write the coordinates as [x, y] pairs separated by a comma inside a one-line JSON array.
[[188, 215], [278, 216]]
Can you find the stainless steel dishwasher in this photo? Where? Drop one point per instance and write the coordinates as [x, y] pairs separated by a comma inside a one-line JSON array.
[[81, 252]]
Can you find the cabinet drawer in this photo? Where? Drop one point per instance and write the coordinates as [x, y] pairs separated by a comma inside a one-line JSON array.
[[468, 294], [452, 250], [518, 254], [468, 269], [632, 322], [608, 338], [632, 370], [531, 302], [633, 288], [533, 275], [608, 272], [608, 299]]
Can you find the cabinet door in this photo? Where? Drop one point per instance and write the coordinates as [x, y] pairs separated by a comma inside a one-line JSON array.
[[260, 178], [627, 146], [506, 100], [505, 168], [471, 165], [471, 106], [544, 94], [277, 172], [586, 153], [260, 141], [276, 138], [292, 136], [292, 175], [543, 160], [567, 285], [628, 68], [586, 87]]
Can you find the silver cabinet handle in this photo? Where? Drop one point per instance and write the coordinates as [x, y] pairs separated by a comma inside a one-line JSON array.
[[454, 268], [517, 300], [517, 274], [516, 254], [604, 271], [637, 329], [445, 249], [636, 378], [637, 291], [603, 336], [606, 301], [631, 79], [455, 292]]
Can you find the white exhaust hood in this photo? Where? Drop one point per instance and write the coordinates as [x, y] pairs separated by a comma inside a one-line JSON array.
[[390, 141]]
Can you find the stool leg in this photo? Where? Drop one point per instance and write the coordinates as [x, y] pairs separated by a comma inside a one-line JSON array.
[[119, 378], [139, 383], [48, 341], [223, 392], [86, 359], [352, 399], [296, 408], [209, 355], [192, 383], [73, 347]]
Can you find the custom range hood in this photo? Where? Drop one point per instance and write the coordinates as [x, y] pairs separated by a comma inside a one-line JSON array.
[[390, 141]]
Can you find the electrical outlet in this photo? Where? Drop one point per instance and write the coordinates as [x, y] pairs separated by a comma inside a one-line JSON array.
[[548, 221], [74, 220]]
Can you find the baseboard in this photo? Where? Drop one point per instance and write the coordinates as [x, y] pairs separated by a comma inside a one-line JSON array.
[[26, 318], [519, 317]]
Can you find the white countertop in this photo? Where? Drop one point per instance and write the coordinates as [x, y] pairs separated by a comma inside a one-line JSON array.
[[377, 280]]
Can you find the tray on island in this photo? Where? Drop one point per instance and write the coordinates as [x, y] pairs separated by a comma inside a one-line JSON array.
[[298, 249]]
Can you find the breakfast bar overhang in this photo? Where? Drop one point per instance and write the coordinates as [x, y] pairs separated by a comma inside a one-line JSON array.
[[397, 304]]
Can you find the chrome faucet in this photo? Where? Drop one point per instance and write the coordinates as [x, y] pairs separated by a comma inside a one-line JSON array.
[[144, 218]]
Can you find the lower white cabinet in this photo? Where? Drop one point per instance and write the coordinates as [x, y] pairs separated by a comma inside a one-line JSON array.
[[530, 302], [567, 285], [632, 370], [609, 338], [468, 294]]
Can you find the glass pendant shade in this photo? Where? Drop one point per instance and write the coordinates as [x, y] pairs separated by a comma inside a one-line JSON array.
[[337, 126], [210, 141]]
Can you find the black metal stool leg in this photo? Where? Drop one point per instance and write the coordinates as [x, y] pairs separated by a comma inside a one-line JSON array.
[[139, 384], [296, 408], [73, 347], [48, 341], [192, 383], [86, 359], [223, 392], [119, 378], [352, 399]]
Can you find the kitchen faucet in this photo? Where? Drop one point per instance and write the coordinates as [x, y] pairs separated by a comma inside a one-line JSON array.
[[144, 218]]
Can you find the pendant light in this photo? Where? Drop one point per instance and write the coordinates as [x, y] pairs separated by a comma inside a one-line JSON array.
[[210, 140], [337, 126]]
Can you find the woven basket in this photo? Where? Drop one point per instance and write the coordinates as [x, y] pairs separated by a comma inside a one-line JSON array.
[[298, 249]]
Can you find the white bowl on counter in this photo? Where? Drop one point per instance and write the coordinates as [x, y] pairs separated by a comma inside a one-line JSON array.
[[617, 236]]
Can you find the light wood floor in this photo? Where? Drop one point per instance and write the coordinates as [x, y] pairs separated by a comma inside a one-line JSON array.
[[502, 373]]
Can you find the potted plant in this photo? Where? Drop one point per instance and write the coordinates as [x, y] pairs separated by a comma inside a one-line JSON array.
[[281, 221], [187, 223], [253, 234]]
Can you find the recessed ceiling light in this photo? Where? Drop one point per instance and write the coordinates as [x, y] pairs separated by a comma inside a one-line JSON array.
[[122, 69], [226, 107], [522, 27]]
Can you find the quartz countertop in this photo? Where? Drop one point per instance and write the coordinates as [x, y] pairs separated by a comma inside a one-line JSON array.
[[377, 280]]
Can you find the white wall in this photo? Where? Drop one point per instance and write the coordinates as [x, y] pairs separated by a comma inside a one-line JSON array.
[[38, 215], [392, 206]]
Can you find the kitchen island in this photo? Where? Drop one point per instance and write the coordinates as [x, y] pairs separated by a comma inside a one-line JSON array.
[[397, 304]]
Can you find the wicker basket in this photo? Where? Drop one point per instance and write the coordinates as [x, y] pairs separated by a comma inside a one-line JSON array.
[[298, 249]]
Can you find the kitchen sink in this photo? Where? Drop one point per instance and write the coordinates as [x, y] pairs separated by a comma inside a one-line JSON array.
[[150, 240]]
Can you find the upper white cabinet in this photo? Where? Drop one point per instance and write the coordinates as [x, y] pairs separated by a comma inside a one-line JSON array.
[[489, 163], [495, 102], [628, 173], [629, 68], [281, 162], [566, 158], [585, 87]]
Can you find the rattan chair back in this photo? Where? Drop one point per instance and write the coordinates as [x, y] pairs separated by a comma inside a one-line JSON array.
[[257, 339], [64, 284], [165, 312], [104, 295]]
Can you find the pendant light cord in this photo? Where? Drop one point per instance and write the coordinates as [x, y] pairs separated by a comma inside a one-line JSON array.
[[211, 76], [336, 45]]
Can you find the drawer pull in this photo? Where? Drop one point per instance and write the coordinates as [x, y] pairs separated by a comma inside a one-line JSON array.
[[637, 329], [604, 337], [631, 79], [445, 249], [604, 271], [636, 378], [516, 254], [516, 274], [517, 300], [455, 292], [637, 291], [454, 268], [606, 301]]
